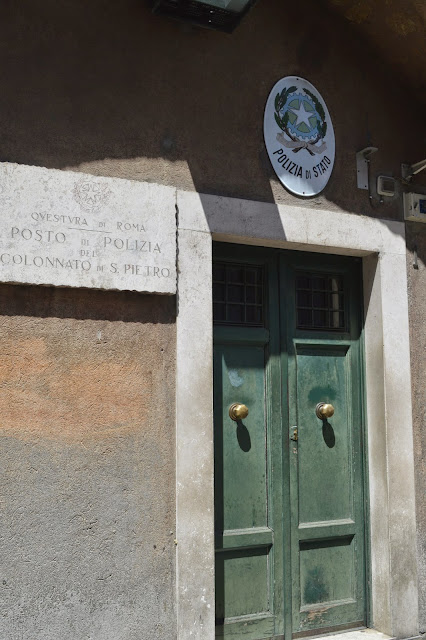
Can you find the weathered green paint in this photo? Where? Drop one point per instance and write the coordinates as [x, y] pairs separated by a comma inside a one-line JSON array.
[[326, 466], [289, 513], [249, 598], [241, 371]]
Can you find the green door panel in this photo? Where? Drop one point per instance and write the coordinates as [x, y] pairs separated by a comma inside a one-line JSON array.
[[289, 488], [244, 537], [329, 532], [240, 377], [326, 572], [324, 448], [245, 581], [249, 629]]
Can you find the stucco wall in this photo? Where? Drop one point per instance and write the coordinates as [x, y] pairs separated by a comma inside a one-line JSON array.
[[87, 475], [108, 88], [416, 243]]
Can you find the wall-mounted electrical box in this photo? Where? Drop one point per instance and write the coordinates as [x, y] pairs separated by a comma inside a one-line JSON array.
[[386, 186], [415, 207]]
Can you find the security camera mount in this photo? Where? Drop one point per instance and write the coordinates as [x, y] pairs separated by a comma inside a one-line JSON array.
[[410, 170]]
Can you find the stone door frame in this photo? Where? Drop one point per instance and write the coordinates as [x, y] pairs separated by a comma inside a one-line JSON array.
[[381, 244]]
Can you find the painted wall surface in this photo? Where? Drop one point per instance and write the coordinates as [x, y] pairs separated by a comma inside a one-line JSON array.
[[109, 89], [416, 245], [87, 474]]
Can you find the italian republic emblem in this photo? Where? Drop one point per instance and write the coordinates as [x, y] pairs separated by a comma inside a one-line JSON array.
[[301, 117], [299, 136], [91, 195]]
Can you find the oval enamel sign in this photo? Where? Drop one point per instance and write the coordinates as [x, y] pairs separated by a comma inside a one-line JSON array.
[[299, 136]]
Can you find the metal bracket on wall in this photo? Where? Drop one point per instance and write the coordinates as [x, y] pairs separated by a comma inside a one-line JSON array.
[[362, 162], [410, 170]]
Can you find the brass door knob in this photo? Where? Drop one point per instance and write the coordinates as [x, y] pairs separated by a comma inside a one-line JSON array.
[[324, 410], [238, 411]]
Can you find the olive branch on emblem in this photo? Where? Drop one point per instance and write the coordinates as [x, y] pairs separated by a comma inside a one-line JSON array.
[[282, 121], [280, 100], [322, 126]]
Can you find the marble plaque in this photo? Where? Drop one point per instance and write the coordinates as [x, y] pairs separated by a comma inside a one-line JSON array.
[[75, 230]]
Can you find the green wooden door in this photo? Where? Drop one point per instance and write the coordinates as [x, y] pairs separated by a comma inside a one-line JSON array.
[[325, 463], [249, 560], [289, 507]]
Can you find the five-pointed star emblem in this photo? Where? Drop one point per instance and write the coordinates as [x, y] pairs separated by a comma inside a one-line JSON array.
[[302, 115]]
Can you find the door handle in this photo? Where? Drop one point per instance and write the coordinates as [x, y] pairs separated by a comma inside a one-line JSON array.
[[324, 410], [238, 411]]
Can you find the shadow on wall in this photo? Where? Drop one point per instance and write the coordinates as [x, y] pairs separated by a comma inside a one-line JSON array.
[[86, 304], [110, 89]]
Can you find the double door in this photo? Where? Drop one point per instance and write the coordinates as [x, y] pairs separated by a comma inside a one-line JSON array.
[[289, 475]]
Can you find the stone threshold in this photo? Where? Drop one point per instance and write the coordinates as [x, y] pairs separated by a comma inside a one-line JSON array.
[[364, 634], [353, 634]]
